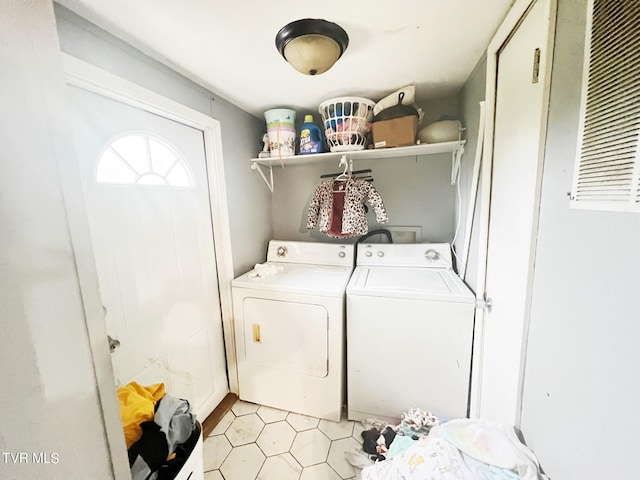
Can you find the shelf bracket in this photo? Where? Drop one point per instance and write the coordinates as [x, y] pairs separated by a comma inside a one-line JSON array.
[[268, 181]]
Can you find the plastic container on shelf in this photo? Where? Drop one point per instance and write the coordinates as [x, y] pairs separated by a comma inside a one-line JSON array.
[[310, 137], [347, 121], [281, 131]]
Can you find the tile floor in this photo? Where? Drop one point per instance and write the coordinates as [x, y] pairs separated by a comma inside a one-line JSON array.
[[254, 442]]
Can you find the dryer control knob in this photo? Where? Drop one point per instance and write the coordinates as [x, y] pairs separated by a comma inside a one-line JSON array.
[[281, 251], [432, 255], [342, 254], [381, 254], [368, 253]]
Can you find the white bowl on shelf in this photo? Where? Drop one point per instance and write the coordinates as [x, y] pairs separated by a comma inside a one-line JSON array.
[[441, 131]]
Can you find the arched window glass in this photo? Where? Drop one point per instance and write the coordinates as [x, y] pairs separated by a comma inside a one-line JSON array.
[[142, 159]]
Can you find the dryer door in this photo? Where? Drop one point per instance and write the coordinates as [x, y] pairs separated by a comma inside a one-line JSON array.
[[286, 336]]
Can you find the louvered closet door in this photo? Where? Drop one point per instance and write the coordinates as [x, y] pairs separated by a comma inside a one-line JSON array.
[[607, 173]]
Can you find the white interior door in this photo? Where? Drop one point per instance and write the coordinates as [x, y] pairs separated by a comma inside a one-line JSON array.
[[520, 122], [147, 200]]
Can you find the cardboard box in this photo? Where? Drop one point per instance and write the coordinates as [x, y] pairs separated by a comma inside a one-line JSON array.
[[397, 132]]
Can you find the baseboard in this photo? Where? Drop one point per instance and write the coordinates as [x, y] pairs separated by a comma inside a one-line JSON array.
[[212, 420]]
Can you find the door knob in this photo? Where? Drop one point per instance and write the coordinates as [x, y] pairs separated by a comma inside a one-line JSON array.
[[486, 303], [114, 344]]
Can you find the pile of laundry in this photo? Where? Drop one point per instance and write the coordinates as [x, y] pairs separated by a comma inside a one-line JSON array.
[[423, 448], [159, 430]]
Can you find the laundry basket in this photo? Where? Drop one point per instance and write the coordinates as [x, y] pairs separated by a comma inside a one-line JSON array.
[[346, 120]]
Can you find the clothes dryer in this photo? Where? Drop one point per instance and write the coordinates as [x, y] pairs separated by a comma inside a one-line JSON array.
[[409, 333], [289, 328]]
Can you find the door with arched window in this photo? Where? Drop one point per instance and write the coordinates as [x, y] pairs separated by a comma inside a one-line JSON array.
[[147, 200]]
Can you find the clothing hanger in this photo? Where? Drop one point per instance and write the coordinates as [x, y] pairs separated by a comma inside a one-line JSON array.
[[340, 178], [348, 167], [340, 182]]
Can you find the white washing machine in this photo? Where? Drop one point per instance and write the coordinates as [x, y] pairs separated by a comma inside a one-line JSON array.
[[289, 328], [409, 333]]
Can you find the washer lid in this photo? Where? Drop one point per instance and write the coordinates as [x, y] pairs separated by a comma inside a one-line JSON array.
[[409, 282], [321, 280]]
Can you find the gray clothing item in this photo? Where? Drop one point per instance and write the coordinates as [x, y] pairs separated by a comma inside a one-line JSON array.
[[175, 419], [140, 470], [173, 416]]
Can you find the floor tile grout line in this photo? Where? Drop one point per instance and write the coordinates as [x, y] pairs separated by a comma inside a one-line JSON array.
[[288, 422], [225, 457], [326, 461]]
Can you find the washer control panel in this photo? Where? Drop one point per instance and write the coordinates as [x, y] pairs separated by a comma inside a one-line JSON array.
[[435, 255]]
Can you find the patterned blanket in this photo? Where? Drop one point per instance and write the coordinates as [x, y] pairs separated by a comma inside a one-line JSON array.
[[462, 449]]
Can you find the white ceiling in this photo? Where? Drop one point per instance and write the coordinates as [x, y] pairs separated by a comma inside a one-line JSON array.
[[229, 46]]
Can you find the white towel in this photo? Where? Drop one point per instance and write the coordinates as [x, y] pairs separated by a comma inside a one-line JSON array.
[[263, 270]]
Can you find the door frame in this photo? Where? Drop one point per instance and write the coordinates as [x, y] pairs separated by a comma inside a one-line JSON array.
[[93, 79], [508, 27]]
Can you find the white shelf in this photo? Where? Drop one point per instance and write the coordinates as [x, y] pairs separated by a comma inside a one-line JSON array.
[[410, 151]]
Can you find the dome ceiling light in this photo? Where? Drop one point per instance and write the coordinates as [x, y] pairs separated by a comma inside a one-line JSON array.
[[312, 45]]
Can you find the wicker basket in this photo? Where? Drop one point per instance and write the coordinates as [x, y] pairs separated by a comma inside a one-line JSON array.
[[347, 121]]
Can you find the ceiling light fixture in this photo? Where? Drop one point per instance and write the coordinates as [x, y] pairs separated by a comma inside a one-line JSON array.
[[312, 45]]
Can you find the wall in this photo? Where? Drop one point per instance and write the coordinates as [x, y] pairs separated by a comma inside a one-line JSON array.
[[471, 95], [249, 203], [47, 376], [416, 190], [581, 393]]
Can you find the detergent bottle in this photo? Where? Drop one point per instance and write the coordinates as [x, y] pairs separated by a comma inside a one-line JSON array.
[[310, 137]]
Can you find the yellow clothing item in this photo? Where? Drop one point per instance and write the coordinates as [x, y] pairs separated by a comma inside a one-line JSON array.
[[137, 405]]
